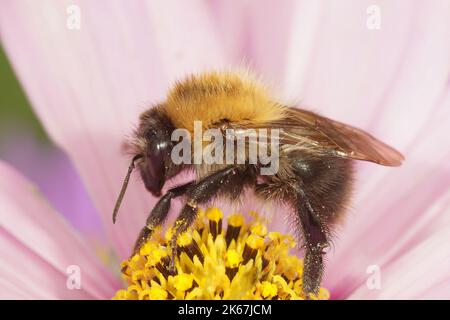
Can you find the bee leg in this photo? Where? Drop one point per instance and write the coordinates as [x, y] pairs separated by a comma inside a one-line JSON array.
[[159, 214], [315, 241], [201, 192]]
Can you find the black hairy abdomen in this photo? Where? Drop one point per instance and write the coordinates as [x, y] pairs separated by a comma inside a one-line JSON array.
[[327, 182]]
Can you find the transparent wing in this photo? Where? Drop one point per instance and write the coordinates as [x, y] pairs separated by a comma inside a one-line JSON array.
[[305, 129]]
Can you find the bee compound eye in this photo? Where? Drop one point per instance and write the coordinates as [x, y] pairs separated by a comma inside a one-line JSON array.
[[154, 171]]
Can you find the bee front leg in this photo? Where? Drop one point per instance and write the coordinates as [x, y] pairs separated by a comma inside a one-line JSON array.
[[159, 214], [200, 193]]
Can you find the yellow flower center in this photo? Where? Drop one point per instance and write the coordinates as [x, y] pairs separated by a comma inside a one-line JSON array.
[[243, 262]]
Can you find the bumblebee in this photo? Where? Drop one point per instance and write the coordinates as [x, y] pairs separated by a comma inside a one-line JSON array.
[[315, 157]]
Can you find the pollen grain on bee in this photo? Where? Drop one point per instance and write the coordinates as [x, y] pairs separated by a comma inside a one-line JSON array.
[[234, 146]]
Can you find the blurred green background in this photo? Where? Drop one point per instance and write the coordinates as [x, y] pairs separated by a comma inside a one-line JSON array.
[[15, 110]]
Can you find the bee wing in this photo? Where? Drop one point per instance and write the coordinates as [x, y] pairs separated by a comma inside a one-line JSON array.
[[302, 128]]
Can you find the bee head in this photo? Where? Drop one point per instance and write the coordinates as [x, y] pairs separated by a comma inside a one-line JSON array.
[[155, 146], [152, 148]]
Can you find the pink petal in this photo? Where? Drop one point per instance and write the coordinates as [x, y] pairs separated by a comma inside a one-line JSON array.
[[438, 291], [38, 246], [323, 54], [417, 273], [89, 85], [232, 21], [56, 178]]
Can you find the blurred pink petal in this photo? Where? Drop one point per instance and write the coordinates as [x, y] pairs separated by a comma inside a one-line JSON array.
[[322, 53], [51, 170], [420, 270], [34, 263], [89, 85]]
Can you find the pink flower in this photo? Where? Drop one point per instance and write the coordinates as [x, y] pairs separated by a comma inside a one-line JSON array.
[[88, 86]]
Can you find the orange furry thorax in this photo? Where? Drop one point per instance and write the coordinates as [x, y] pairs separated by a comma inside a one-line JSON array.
[[215, 96]]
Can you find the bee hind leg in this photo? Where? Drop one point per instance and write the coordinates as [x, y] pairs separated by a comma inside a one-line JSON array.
[[159, 214], [315, 236]]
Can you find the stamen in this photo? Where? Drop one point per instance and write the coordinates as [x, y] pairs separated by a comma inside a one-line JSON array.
[[268, 290], [183, 282], [245, 262], [163, 266], [189, 246], [259, 229], [253, 243], [232, 261], [215, 221], [235, 223]]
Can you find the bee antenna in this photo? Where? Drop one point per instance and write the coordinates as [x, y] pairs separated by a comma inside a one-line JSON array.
[[124, 187]]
